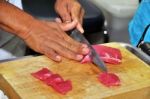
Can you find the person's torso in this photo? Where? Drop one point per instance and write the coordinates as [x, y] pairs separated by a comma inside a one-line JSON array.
[[139, 22]]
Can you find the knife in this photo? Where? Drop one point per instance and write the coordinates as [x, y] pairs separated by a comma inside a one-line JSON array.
[[75, 34]]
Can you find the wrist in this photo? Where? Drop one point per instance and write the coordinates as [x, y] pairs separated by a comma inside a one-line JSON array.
[[24, 30]]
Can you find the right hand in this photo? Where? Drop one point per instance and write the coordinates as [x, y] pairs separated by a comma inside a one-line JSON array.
[[50, 39], [70, 10]]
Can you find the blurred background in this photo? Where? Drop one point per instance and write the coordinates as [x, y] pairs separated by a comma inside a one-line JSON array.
[[118, 14], [104, 21]]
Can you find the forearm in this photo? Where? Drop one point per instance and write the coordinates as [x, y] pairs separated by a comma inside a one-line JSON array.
[[13, 19]]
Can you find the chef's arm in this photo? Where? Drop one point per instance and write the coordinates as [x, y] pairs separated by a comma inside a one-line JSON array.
[[14, 20], [44, 37]]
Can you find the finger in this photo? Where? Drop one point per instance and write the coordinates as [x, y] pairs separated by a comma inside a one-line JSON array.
[[64, 51], [64, 14], [50, 53], [80, 28], [81, 47], [81, 16], [79, 25], [68, 26], [76, 46], [64, 26], [71, 46], [76, 12], [58, 20]]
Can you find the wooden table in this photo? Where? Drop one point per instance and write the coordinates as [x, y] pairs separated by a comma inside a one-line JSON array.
[[17, 82]]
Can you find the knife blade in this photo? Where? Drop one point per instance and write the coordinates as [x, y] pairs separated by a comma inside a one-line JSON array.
[[75, 34]]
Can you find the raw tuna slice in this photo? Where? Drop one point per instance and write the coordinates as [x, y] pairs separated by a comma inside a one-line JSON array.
[[53, 80], [42, 74], [62, 87], [107, 54], [109, 79]]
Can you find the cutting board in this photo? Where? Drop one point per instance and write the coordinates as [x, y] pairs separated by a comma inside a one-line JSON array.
[[17, 82]]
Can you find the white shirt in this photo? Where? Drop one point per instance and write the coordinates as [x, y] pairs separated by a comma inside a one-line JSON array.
[[2, 96], [17, 3]]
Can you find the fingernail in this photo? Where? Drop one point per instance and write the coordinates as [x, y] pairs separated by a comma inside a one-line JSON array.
[[81, 30], [58, 58], [85, 50], [79, 57]]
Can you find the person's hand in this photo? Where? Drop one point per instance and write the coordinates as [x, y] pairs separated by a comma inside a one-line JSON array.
[[44, 37], [70, 10], [48, 38]]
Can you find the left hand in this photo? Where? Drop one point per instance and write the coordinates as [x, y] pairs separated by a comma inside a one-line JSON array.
[[70, 10]]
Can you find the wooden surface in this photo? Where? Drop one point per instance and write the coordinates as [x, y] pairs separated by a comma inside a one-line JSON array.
[[17, 82]]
